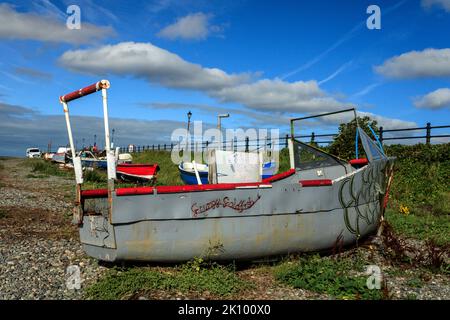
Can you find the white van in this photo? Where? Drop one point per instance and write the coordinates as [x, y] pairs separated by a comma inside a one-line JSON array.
[[33, 153]]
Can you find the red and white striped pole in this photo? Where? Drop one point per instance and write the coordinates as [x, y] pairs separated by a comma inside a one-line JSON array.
[[65, 99]]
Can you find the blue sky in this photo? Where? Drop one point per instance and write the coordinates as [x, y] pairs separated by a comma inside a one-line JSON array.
[[262, 61]]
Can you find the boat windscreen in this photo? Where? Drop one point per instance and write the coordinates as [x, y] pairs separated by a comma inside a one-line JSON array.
[[373, 152], [307, 157]]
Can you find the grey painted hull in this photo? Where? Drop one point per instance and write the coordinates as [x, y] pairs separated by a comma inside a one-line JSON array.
[[244, 223]]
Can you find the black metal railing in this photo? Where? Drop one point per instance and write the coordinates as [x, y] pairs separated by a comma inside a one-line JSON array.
[[257, 144]]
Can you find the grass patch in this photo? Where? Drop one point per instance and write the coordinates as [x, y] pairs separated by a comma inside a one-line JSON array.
[[421, 226], [39, 176], [121, 283], [168, 174], [45, 168], [336, 277]]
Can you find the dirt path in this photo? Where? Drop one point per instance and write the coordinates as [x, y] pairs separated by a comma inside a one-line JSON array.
[[37, 240]]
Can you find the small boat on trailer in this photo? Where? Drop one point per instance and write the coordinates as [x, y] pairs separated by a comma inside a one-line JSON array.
[[137, 172], [319, 200], [188, 175]]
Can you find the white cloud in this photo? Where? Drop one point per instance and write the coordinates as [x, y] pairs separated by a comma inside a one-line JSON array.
[[444, 4], [160, 66], [150, 62], [388, 123], [194, 26], [336, 73], [417, 64], [156, 65], [437, 99], [366, 90], [30, 26], [279, 95]]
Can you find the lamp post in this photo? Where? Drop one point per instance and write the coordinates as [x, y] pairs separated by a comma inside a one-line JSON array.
[[189, 115], [219, 125], [112, 138]]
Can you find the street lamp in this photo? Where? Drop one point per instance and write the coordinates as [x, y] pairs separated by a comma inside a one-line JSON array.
[[219, 125], [189, 114], [112, 138]]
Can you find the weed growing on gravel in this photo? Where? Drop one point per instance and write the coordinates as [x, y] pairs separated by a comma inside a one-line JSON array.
[[193, 276], [333, 276], [44, 167]]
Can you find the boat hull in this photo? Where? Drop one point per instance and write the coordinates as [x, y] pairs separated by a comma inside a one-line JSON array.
[[239, 223], [237, 238], [137, 172], [189, 177]]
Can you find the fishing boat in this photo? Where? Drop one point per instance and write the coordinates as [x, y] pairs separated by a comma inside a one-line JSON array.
[[61, 155], [89, 160], [321, 200], [137, 172], [188, 175]]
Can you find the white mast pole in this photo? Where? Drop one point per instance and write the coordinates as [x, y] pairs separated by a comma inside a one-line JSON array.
[[110, 157]]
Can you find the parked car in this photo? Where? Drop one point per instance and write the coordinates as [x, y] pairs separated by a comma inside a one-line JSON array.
[[33, 153]]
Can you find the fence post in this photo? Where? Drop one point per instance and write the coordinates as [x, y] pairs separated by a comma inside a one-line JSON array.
[[428, 132], [153, 147], [246, 144], [380, 135], [171, 146], [312, 137], [164, 147], [159, 148], [235, 144], [287, 138]]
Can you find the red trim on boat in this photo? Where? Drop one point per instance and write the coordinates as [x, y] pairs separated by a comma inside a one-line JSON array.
[[316, 183], [103, 193], [360, 161], [134, 191], [279, 176], [205, 187], [96, 193]]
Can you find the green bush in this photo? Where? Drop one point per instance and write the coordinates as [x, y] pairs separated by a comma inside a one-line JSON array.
[[421, 178], [343, 145]]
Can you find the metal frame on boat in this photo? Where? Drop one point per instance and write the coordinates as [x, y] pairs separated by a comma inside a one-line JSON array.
[[319, 200]]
